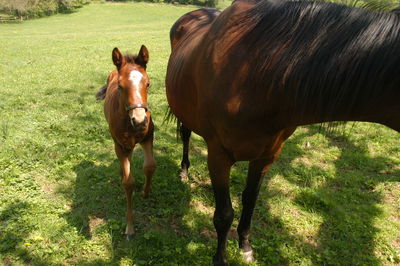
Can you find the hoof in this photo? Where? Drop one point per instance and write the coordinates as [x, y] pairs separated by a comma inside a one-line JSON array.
[[129, 237], [219, 261], [247, 256], [147, 189], [184, 176], [129, 232], [146, 193]]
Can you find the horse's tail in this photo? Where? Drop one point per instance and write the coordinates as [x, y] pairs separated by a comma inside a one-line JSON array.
[[101, 94], [170, 117]]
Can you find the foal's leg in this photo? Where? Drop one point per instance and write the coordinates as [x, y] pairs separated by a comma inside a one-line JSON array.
[[185, 137], [149, 164], [219, 166], [128, 182]]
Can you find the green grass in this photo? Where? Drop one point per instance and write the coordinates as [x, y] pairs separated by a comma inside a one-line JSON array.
[[329, 199]]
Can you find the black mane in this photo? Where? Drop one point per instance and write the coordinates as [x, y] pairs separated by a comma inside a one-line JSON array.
[[327, 56]]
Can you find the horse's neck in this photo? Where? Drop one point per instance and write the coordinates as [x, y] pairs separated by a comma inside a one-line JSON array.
[[383, 109]]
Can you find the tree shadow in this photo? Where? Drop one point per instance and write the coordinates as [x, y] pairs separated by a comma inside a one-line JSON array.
[[9, 217], [347, 202], [166, 227], [169, 228], [13, 234]]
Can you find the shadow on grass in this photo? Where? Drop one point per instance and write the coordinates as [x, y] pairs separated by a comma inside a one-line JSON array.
[[14, 232], [167, 230], [9, 237], [347, 202]]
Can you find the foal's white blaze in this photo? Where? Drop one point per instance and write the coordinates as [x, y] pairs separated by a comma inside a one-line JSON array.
[[136, 77], [139, 113]]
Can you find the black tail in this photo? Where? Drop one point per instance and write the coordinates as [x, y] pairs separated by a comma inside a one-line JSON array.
[[101, 94], [170, 117]]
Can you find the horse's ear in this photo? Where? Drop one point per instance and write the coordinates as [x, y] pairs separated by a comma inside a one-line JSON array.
[[118, 58], [143, 56]]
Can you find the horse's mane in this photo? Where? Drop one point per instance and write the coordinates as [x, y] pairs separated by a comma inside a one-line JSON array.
[[101, 93], [326, 55]]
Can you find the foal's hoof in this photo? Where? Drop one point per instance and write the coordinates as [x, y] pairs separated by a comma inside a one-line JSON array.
[[146, 193], [128, 237], [247, 256], [129, 232]]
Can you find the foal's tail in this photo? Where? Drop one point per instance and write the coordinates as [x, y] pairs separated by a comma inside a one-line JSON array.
[[101, 94]]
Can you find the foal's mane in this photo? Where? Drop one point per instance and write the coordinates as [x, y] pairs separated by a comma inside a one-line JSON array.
[[101, 93], [130, 58], [326, 55]]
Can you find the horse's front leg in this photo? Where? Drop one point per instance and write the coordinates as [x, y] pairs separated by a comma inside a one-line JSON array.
[[255, 174], [128, 182], [185, 163], [149, 164], [219, 166], [256, 171]]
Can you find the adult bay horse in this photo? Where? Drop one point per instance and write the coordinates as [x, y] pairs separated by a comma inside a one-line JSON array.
[[246, 78], [129, 119]]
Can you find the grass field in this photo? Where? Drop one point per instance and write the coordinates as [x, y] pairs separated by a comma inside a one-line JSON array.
[[330, 199]]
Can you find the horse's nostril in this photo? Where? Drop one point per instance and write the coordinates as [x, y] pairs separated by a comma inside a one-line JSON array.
[[136, 124], [133, 122]]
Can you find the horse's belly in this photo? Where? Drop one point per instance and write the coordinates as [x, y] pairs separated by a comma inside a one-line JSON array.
[[253, 143], [249, 151], [245, 148]]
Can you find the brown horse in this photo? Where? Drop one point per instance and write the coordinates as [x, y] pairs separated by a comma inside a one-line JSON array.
[[246, 78], [129, 119]]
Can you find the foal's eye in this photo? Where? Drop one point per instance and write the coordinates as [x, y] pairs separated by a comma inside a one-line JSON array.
[[119, 88]]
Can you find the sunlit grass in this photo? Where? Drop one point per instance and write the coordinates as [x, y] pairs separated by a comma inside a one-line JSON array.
[[329, 199]]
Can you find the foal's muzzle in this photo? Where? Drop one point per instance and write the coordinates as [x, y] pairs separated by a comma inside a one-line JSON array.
[[139, 125], [139, 120]]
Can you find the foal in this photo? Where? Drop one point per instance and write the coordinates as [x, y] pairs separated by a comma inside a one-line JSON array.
[[129, 119]]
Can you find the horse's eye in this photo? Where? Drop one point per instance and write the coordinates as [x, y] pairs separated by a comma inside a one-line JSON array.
[[119, 88]]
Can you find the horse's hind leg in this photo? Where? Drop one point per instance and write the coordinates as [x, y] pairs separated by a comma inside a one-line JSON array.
[[185, 137], [129, 185], [219, 165], [149, 164]]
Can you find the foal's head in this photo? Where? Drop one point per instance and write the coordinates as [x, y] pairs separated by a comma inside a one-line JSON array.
[[133, 84]]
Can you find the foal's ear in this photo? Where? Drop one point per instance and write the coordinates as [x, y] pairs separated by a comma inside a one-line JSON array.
[[143, 56], [118, 58]]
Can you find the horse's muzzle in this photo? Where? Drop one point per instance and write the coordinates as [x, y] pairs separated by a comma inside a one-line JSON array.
[[138, 126]]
